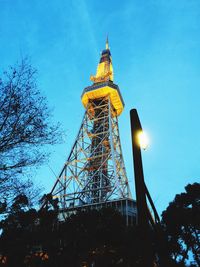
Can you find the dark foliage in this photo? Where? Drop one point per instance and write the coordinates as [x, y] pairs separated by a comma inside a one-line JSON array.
[[97, 238], [181, 221], [32, 238]]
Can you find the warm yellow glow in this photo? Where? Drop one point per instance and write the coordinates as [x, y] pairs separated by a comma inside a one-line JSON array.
[[104, 72], [143, 140], [103, 92]]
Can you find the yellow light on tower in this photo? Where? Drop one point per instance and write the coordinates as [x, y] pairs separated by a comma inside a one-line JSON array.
[[143, 140]]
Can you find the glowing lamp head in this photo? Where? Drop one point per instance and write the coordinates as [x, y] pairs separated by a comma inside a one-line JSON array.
[[143, 140]]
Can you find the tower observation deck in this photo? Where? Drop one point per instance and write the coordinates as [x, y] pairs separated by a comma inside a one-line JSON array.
[[94, 174]]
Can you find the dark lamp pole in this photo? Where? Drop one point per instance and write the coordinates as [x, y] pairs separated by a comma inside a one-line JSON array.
[[142, 208], [136, 128]]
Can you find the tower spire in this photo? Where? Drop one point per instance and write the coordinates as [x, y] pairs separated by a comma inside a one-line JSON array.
[[107, 44], [104, 69]]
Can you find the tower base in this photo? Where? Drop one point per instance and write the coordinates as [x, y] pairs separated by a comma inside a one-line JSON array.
[[126, 206]]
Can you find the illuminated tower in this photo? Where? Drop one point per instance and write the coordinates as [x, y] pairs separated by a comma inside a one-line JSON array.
[[94, 174]]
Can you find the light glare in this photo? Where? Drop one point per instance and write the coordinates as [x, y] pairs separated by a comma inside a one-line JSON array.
[[143, 140]]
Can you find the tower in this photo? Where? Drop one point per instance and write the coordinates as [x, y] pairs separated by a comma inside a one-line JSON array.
[[94, 174]]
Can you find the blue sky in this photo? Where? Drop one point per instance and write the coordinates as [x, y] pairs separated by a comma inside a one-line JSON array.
[[155, 46]]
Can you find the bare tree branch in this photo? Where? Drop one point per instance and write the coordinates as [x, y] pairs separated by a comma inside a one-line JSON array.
[[25, 123]]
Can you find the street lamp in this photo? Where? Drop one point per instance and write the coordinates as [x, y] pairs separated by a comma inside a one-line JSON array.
[[140, 140], [148, 222], [137, 142]]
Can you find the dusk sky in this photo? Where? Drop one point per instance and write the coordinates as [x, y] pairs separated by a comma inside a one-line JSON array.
[[155, 47]]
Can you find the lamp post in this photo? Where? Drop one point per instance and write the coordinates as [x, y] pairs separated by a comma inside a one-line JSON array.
[[145, 242]]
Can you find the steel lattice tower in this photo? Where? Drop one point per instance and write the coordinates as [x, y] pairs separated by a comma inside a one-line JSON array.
[[94, 174]]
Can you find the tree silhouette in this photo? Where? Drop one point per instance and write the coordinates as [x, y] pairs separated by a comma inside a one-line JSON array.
[[94, 236], [181, 221], [25, 126], [97, 238], [17, 228]]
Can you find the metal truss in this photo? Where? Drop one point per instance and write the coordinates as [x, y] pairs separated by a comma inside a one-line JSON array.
[[94, 171]]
